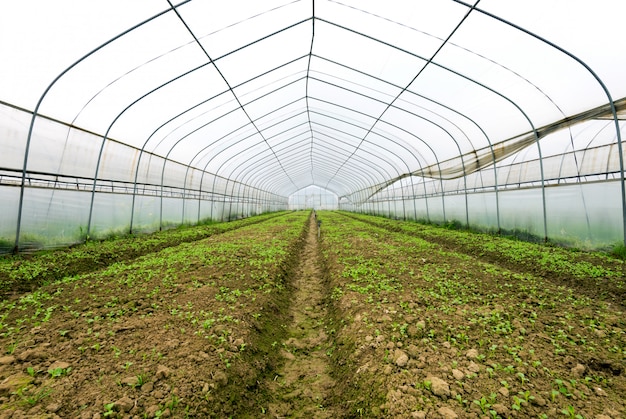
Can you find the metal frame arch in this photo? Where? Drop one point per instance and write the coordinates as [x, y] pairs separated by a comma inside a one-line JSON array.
[[473, 122], [198, 155], [251, 174], [472, 7], [40, 101], [225, 80], [322, 164], [230, 88], [390, 139], [323, 161], [106, 135], [374, 144], [221, 138], [602, 85]]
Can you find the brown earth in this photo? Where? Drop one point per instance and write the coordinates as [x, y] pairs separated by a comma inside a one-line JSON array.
[[303, 387], [213, 331]]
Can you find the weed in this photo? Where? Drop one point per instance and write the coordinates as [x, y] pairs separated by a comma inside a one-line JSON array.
[[141, 380], [619, 251], [33, 399]]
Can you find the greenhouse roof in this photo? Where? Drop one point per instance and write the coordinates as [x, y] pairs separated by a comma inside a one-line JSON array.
[[344, 95]]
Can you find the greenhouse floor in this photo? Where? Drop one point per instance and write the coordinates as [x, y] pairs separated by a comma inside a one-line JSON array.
[[267, 317]]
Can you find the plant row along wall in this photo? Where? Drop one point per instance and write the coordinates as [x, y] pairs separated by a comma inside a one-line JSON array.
[[21, 272], [425, 329], [186, 331]]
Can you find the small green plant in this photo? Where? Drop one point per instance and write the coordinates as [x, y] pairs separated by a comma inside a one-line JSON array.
[[553, 395], [33, 399], [527, 396], [570, 412], [108, 410], [172, 404], [562, 389], [116, 351], [428, 385], [483, 404], [11, 347], [59, 372], [141, 380], [619, 251]]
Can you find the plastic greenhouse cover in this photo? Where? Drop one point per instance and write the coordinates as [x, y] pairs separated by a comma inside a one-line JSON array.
[[272, 97]]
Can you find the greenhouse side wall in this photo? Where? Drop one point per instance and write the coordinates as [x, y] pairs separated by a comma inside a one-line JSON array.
[[63, 205], [582, 215]]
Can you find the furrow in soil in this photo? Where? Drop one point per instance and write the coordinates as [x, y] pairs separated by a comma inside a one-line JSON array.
[[303, 386]]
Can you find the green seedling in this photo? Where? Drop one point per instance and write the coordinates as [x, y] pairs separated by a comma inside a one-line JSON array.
[[570, 412], [141, 380], [59, 372], [483, 404], [36, 397], [108, 410], [517, 403]]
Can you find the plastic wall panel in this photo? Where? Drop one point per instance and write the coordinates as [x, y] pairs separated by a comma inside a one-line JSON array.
[[111, 214], [521, 209], [150, 169], [118, 162], [205, 210], [585, 215], [9, 196], [483, 211], [172, 211], [455, 208], [78, 153], [313, 197], [146, 216], [48, 145], [53, 217], [190, 208], [174, 175]]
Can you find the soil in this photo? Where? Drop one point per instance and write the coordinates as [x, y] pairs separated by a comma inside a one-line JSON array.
[[303, 386], [432, 332], [268, 320]]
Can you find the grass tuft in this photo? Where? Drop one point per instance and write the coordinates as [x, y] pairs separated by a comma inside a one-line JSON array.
[[619, 251]]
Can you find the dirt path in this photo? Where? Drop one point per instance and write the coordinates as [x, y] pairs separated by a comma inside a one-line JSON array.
[[303, 385]]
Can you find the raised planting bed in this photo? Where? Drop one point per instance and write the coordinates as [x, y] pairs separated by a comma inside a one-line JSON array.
[[595, 274], [426, 330], [187, 331], [26, 272]]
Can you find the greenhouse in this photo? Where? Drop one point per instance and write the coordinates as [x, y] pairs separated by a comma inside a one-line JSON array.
[[501, 116], [312, 209]]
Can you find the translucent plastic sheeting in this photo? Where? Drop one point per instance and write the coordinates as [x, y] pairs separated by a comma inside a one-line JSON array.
[[313, 197], [191, 110], [583, 215]]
